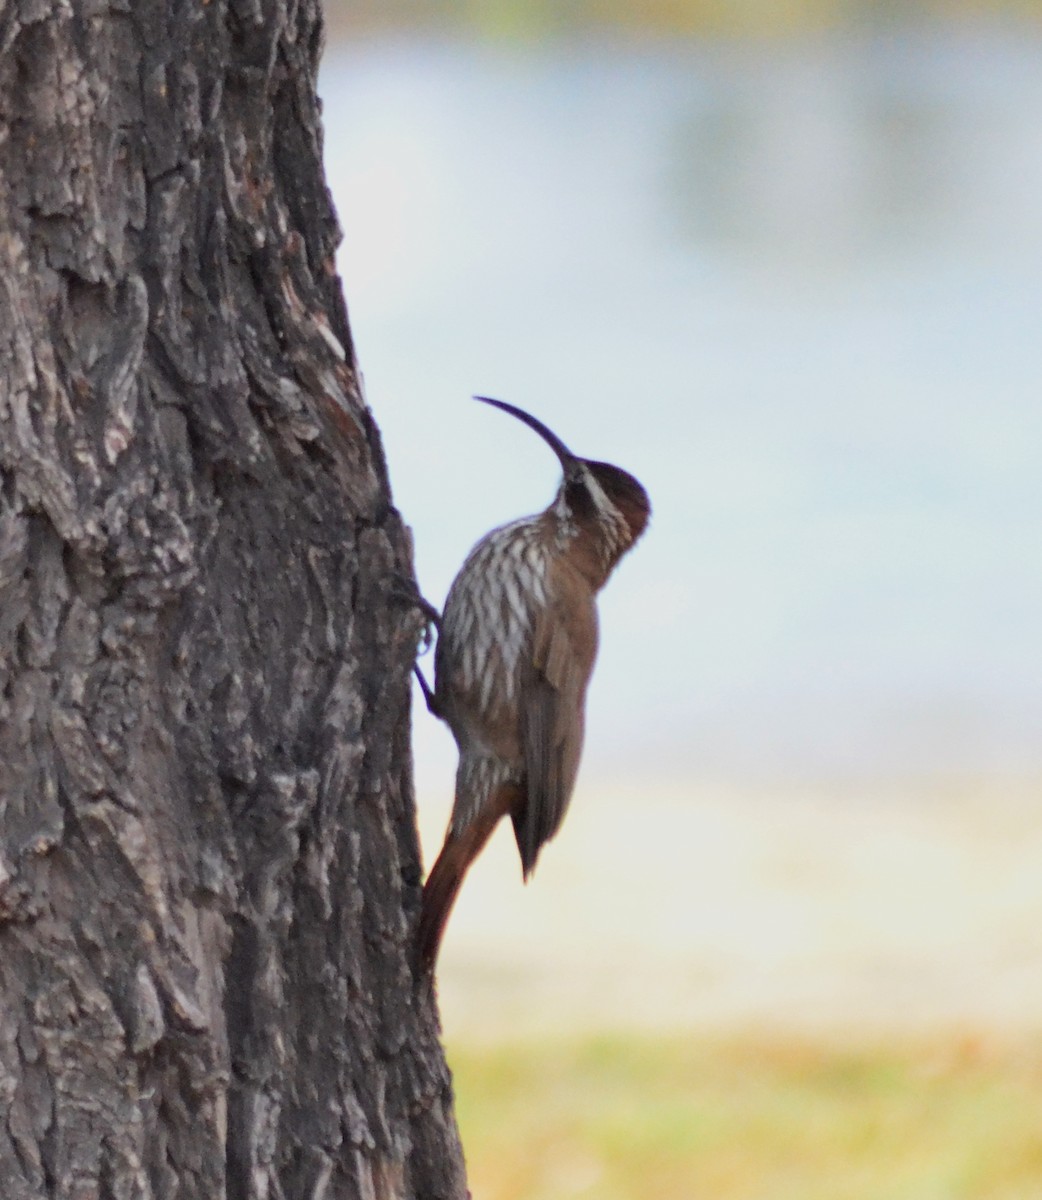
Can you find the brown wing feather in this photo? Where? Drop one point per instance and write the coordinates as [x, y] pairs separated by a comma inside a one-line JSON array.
[[563, 649]]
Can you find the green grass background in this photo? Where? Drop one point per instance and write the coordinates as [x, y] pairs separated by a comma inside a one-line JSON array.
[[752, 1117]]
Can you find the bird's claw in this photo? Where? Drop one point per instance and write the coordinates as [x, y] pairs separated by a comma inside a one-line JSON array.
[[405, 589]]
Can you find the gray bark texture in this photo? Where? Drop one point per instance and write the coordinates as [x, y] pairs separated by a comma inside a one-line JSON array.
[[209, 870]]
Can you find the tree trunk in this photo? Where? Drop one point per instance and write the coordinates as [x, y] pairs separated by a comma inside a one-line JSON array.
[[208, 858]]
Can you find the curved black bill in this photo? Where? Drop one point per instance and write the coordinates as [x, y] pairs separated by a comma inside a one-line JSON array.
[[551, 439]]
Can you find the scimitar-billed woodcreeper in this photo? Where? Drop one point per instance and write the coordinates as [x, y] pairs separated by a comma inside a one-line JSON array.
[[516, 647]]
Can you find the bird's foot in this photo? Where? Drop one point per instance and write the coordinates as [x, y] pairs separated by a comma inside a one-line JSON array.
[[405, 589], [428, 692]]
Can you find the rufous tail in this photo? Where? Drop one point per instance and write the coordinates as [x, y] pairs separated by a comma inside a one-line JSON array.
[[446, 876]]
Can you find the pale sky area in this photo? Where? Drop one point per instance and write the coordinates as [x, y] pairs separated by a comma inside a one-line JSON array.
[[796, 290]]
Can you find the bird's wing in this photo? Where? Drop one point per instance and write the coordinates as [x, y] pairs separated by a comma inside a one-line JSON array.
[[564, 645]]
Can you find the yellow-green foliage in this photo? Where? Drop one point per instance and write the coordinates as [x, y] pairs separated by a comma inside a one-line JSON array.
[[633, 1118], [534, 19]]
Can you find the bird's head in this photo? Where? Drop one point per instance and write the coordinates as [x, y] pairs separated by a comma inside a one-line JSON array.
[[595, 498]]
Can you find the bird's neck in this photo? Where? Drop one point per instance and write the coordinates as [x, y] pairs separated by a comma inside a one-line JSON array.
[[591, 545]]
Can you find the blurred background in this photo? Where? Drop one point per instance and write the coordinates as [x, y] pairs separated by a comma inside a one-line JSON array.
[[784, 263]]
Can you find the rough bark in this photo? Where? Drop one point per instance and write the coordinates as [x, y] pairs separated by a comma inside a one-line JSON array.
[[208, 860]]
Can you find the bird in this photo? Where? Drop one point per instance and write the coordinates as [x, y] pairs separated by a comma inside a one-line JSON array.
[[517, 640]]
